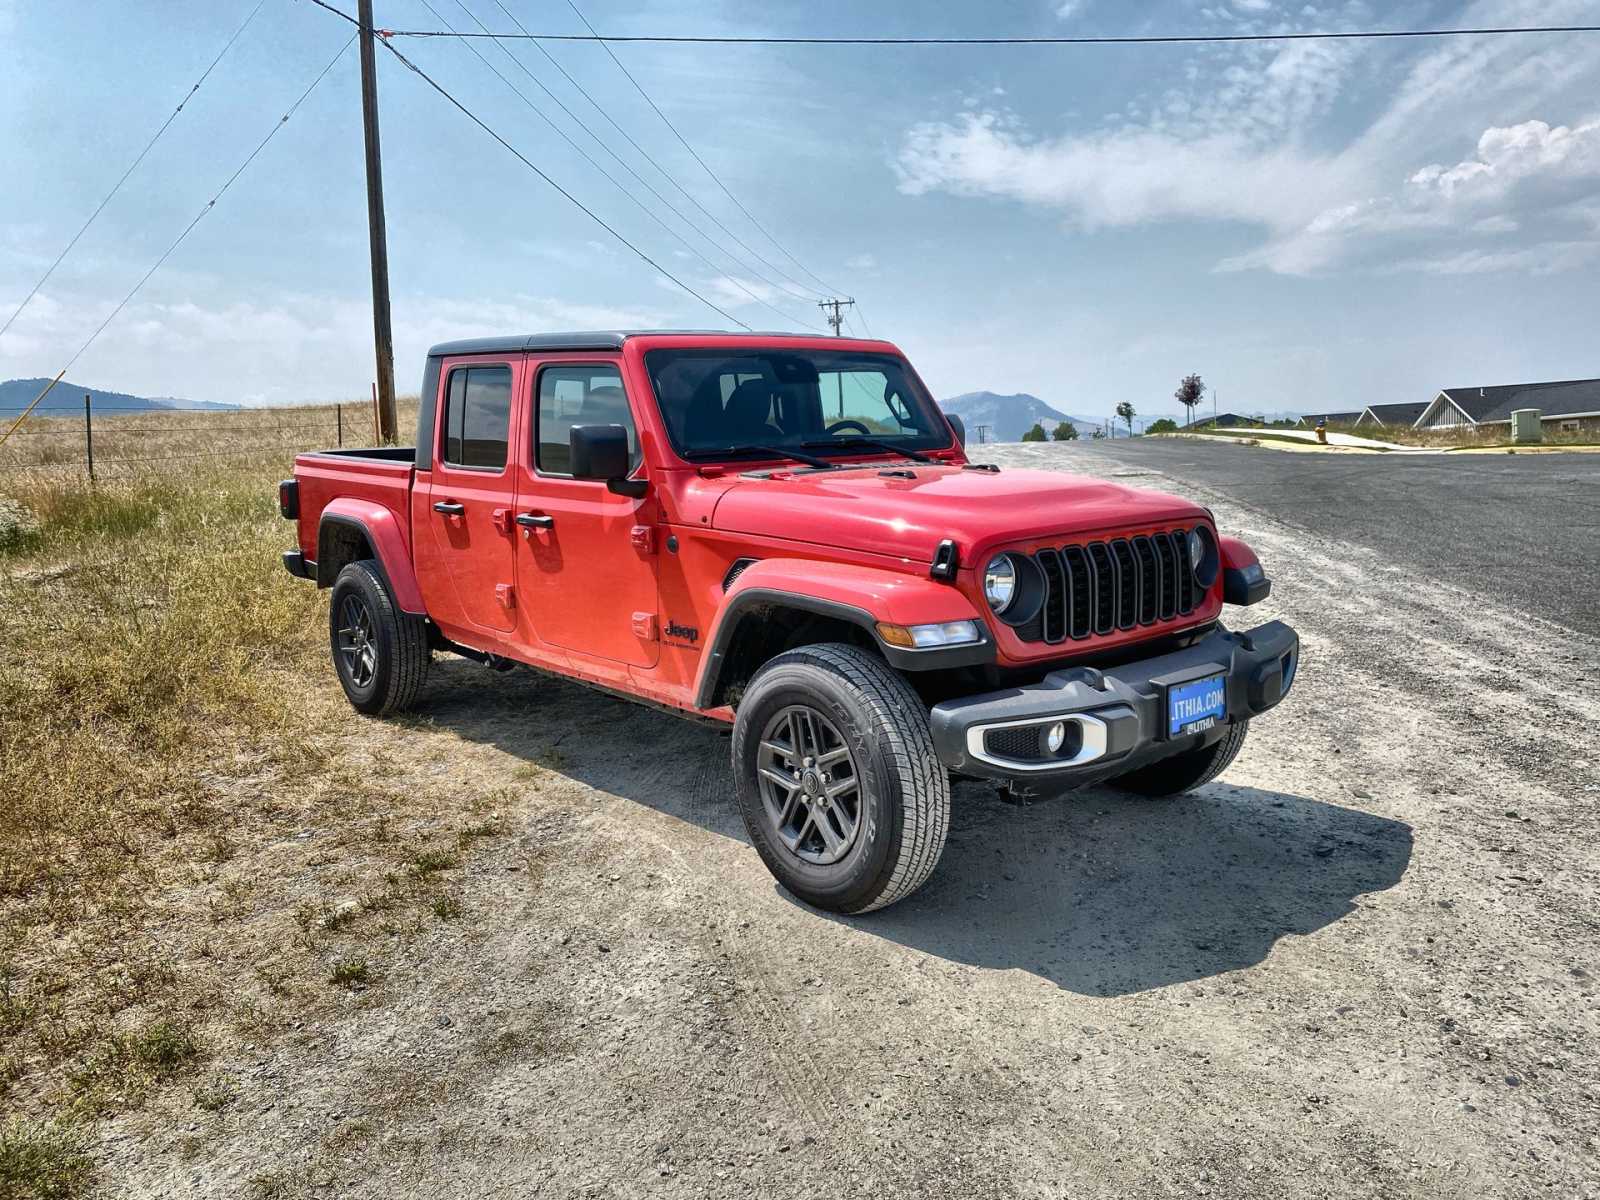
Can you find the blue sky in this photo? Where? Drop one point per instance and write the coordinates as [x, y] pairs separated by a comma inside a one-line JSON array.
[[1306, 225]]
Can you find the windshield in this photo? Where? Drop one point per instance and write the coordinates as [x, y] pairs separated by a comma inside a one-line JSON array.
[[751, 403]]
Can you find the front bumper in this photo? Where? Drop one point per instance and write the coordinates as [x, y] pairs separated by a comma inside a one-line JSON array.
[[1115, 719]]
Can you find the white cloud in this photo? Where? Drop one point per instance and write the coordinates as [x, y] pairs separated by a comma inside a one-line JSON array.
[[1251, 136], [1546, 258], [1508, 156], [296, 348], [1067, 9], [861, 262], [1117, 178]]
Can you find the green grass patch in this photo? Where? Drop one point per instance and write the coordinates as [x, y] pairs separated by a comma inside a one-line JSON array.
[[350, 972], [44, 1160]]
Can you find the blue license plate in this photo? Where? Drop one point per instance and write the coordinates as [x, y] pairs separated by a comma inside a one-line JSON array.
[[1197, 706]]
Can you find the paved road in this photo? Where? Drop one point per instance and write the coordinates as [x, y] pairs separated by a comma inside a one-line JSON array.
[[1523, 528]]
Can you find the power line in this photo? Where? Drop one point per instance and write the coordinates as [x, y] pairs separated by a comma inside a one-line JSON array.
[[695, 154], [178, 241], [579, 204], [667, 175], [609, 177], [116, 187], [1113, 40]]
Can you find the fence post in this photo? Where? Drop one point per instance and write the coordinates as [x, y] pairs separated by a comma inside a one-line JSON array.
[[88, 434], [338, 416]]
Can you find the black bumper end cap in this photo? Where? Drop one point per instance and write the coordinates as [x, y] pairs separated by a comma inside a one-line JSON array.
[[1243, 586], [298, 565]]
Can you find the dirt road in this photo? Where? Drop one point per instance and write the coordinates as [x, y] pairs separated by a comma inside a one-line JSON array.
[[1361, 964]]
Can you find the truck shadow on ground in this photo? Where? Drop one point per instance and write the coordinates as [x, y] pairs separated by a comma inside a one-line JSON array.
[[1101, 893]]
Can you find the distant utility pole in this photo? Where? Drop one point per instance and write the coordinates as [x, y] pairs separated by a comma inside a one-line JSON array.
[[382, 332], [983, 434], [836, 317]]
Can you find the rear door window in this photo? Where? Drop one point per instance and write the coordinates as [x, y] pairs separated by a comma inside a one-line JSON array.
[[477, 417]]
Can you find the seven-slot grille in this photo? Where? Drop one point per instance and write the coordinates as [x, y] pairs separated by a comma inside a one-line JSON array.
[[1099, 587]]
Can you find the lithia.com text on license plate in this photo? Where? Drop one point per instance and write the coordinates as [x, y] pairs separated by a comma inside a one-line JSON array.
[[1196, 706]]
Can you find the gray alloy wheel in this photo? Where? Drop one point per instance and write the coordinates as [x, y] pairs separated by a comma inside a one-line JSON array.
[[380, 653], [810, 786], [355, 642], [837, 780]]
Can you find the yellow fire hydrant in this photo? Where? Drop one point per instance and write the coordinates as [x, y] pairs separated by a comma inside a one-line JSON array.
[[1322, 431]]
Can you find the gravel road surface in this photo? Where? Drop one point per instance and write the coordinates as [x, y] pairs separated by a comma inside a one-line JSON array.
[[1361, 964]]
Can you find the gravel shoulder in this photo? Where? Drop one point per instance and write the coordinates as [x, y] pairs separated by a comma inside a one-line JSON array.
[[1362, 963]]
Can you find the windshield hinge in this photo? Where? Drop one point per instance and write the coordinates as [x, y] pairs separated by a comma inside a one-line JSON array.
[[946, 561]]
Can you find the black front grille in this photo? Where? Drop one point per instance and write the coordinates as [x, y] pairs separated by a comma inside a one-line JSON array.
[[1101, 587]]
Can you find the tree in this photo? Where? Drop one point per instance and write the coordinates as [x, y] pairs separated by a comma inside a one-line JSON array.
[[1162, 425], [1125, 411], [1189, 393], [1066, 431], [1036, 434]]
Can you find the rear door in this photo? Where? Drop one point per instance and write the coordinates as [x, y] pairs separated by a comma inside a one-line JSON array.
[[472, 490], [585, 557]]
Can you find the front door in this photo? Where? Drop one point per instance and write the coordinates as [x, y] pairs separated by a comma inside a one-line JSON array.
[[585, 557], [471, 493]]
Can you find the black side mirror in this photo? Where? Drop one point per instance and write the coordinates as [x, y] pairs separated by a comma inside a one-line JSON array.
[[959, 426], [601, 452]]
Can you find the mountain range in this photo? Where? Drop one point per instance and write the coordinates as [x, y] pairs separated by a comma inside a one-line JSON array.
[[1009, 417], [17, 394]]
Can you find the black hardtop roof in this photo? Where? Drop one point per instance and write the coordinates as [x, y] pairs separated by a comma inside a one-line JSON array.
[[603, 339]]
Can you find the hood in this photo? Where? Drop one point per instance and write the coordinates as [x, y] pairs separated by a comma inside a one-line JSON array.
[[870, 508]]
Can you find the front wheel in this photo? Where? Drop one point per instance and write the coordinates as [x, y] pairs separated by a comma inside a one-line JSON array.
[[380, 653], [1187, 771], [838, 783]]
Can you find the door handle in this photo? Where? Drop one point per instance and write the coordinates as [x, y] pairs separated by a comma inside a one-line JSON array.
[[449, 508], [535, 521]]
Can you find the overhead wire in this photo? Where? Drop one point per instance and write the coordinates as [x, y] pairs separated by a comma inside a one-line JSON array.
[[132, 167], [178, 241], [1177, 39], [732, 279], [649, 158], [828, 290], [572, 199]]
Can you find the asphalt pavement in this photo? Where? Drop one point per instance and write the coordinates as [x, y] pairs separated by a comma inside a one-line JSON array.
[[1523, 528]]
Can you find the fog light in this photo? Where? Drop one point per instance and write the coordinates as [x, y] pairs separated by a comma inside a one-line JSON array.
[[1056, 737]]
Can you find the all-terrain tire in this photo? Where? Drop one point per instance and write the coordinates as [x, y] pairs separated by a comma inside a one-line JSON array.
[[903, 801], [390, 679], [1187, 771]]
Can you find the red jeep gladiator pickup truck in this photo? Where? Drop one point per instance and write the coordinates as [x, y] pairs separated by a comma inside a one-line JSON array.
[[785, 534]]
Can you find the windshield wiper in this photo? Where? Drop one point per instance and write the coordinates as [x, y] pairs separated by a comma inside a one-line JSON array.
[[869, 443], [810, 460]]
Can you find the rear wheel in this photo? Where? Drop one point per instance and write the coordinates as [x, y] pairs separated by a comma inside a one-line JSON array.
[[838, 783], [380, 653], [1187, 771]]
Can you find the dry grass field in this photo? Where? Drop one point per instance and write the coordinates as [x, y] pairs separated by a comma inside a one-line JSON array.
[[162, 759]]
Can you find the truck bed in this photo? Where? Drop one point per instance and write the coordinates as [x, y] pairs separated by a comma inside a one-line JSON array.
[[378, 476]]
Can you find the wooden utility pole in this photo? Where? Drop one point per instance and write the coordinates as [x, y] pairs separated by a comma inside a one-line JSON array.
[[833, 310], [382, 334]]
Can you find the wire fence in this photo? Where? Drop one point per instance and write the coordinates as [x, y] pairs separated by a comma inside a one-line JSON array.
[[105, 437]]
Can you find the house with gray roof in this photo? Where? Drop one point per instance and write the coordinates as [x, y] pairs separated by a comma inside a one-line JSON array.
[[1310, 420], [1391, 415], [1563, 405]]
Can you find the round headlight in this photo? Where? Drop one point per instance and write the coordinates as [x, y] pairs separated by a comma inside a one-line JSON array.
[[1000, 583], [1197, 549]]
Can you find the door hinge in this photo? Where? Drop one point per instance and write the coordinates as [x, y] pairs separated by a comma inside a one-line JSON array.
[[644, 627], [502, 519], [506, 594], [643, 538]]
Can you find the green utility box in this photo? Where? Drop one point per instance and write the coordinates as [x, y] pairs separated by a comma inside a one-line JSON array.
[[1526, 426]]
